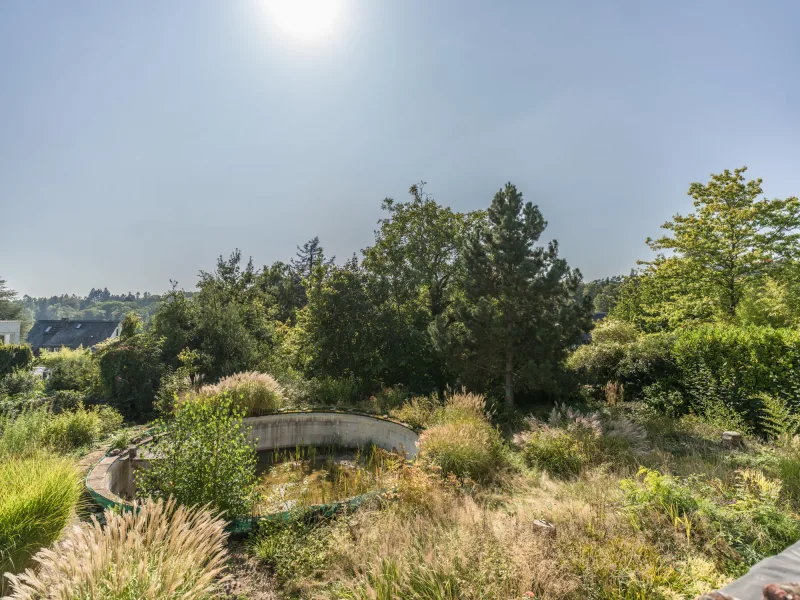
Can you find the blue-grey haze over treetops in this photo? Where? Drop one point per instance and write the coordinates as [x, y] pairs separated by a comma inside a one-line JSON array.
[[138, 141]]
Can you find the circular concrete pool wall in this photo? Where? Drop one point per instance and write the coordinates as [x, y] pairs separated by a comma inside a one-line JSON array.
[[112, 480]]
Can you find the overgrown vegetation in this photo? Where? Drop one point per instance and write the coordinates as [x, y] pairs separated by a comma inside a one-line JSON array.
[[203, 458], [160, 552]]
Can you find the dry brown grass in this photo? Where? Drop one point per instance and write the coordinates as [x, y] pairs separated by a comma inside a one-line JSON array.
[[161, 551]]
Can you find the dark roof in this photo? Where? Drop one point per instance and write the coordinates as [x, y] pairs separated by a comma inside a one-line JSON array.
[[53, 334]]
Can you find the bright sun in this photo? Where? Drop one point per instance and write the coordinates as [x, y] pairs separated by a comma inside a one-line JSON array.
[[306, 19]]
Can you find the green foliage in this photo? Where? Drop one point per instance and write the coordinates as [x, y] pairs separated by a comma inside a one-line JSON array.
[[39, 496], [204, 458], [748, 516], [417, 263], [733, 365], [515, 292], [778, 420], [69, 369], [462, 442], [417, 412], [130, 372], [13, 357], [131, 326], [20, 382], [556, 451], [293, 549], [23, 434], [9, 310], [70, 430]]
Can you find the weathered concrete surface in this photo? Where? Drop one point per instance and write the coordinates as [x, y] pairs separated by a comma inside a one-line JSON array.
[[112, 479], [287, 430]]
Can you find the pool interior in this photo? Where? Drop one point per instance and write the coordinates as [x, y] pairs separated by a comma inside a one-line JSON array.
[[306, 476]]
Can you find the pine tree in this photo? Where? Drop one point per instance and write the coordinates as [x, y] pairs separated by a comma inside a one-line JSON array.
[[521, 315], [310, 256]]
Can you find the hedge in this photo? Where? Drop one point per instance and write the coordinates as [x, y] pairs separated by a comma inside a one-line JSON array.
[[14, 356]]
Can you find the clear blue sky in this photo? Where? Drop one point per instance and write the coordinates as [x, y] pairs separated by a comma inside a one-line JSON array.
[[140, 140]]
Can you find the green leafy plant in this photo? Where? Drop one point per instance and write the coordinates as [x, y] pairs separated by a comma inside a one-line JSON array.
[[204, 458], [14, 356], [20, 382], [69, 369], [39, 496], [70, 430]]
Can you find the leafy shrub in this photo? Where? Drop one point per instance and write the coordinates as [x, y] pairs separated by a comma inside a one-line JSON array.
[[20, 382], [159, 552], [735, 364], [120, 441], [613, 331], [71, 430], [110, 419], [69, 369], [67, 400], [39, 497], [173, 388], [323, 391], [778, 420], [254, 393], [416, 412], [23, 434], [130, 372], [464, 448], [204, 458], [739, 524], [13, 357], [554, 450]]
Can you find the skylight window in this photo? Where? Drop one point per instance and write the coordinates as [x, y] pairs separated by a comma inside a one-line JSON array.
[[48, 329], [78, 326]]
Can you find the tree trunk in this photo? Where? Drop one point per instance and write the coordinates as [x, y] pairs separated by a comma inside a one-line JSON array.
[[509, 365]]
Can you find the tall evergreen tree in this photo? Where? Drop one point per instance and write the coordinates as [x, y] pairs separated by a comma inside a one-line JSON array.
[[309, 257], [521, 315], [9, 310]]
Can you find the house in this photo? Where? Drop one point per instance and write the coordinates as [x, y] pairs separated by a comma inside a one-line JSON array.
[[55, 333], [9, 332]]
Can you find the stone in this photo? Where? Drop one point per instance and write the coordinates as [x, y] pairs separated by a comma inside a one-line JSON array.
[[545, 527], [715, 596], [782, 591], [732, 439], [113, 452]]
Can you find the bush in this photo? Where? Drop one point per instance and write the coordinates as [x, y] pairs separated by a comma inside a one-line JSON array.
[[14, 356], [20, 382], [64, 400], [293, 549], [23, 435], [70, 430], [417, 413], [159, 552], [553, 450], [323, 391], [130, 372], [736, 364], [464, 448], [69, 369], [739, 523], [254, 393], [38, 498], [110, 419], [204, 458]]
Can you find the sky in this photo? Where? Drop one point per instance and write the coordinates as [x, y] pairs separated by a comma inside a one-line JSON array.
[[141, 140]]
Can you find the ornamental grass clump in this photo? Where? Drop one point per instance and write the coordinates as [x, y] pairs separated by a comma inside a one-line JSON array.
[[38, 496], [463, 442], [255, 393], [159, 551]]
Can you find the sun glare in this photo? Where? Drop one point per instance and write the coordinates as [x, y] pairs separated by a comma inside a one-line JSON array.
[[305, 19]]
